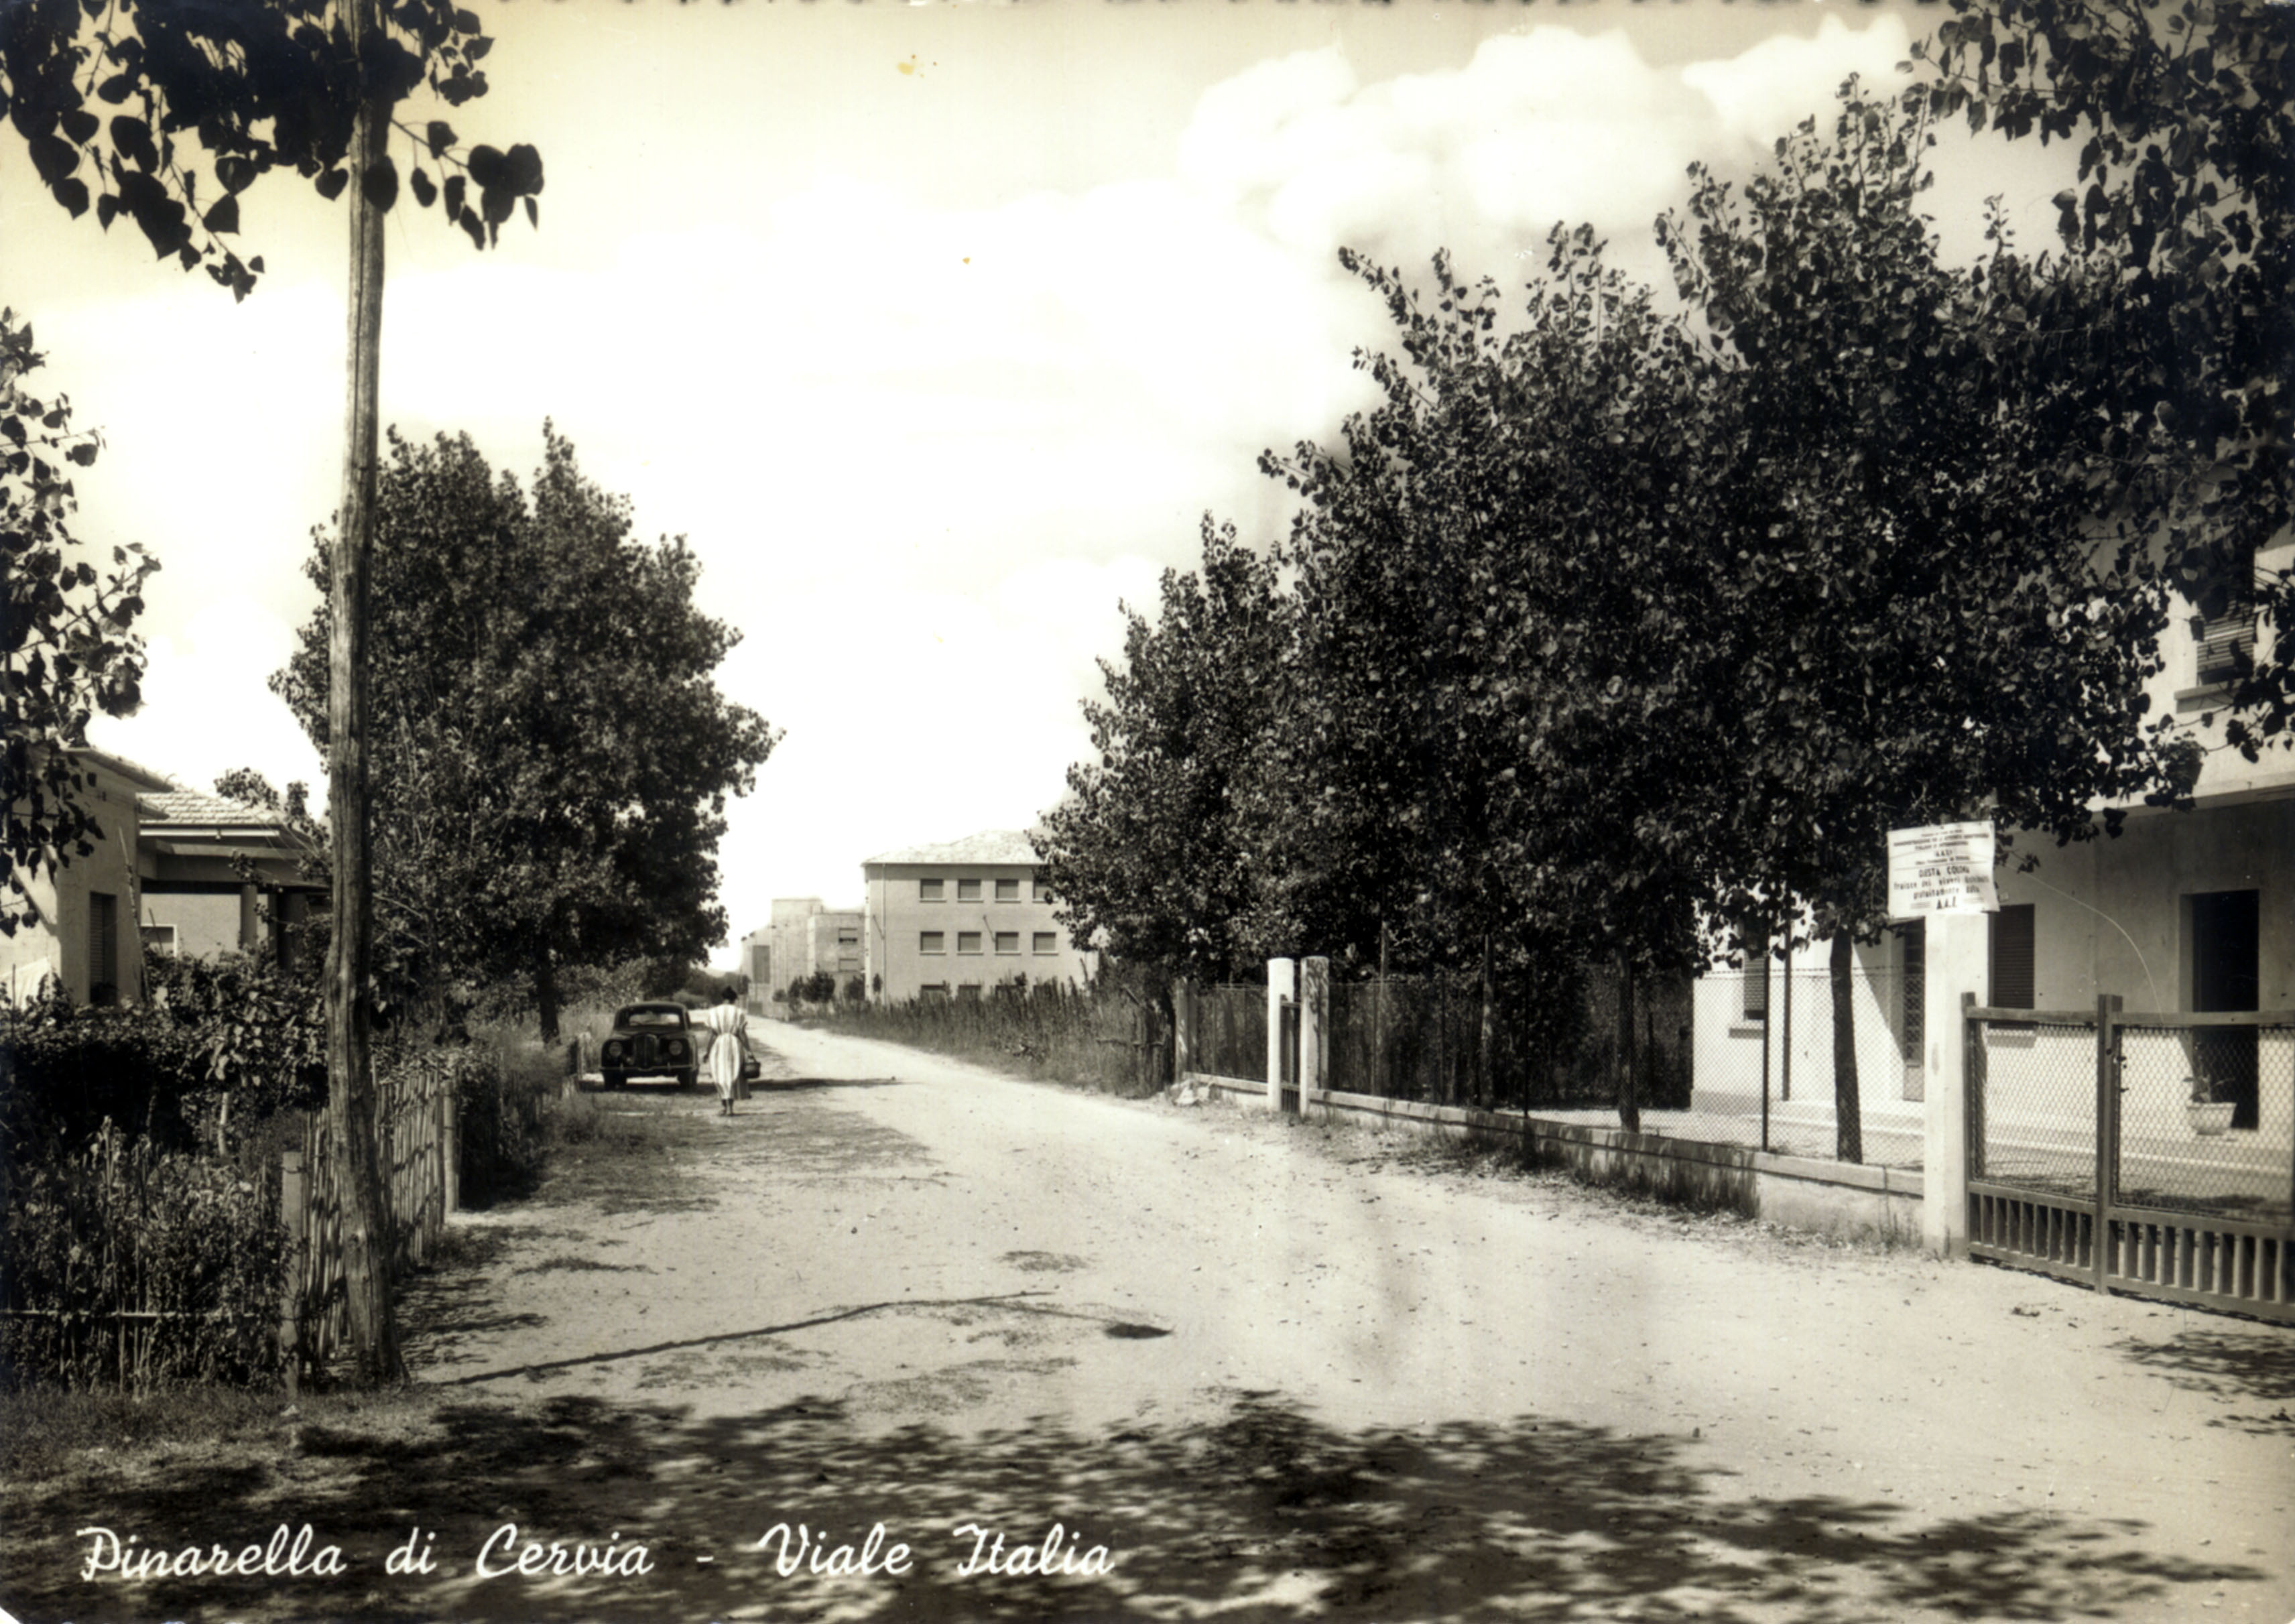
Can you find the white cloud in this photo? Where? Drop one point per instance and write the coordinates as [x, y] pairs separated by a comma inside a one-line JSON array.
[[1763, 93]]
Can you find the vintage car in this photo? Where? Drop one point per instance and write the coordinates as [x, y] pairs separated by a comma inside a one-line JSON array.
[[653, 1040]]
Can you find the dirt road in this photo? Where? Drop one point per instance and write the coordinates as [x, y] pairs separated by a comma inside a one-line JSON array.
[[1249, 1369]]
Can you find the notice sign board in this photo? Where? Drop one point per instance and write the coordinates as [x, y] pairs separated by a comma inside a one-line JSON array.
[[1945, 868]]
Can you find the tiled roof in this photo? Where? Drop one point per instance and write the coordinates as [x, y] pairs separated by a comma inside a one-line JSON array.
[[190, 807], [996, 845]]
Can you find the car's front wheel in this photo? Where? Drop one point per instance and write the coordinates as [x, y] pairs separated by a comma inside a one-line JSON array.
[[614, 1080], [687, 1079]]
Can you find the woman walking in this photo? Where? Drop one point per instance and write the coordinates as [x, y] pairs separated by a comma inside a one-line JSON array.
[[729, 1049]]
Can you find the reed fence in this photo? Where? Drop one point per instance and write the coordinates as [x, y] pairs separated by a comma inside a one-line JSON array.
[[417, 1121]]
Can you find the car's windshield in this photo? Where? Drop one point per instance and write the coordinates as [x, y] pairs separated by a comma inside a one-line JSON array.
[[652, 1017]]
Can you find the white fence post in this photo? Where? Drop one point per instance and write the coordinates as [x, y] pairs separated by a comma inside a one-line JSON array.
[[1183, 1030], [1955, 963], [1282, 985], [1314, 1031]]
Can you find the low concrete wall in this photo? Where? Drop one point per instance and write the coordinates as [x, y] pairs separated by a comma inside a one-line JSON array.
[[1828, 1197]]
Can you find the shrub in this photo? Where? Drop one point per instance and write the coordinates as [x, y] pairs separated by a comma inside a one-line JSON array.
[[126, 1265]]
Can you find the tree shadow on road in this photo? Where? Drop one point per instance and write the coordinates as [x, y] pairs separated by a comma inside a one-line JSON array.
[[2258, 1364], [1263, 1512]]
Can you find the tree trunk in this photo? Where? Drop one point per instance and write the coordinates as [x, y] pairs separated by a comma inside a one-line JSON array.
[[374, 1333], [1848, 1128], [1629, 1099], [545, 994], [1486, 1039]]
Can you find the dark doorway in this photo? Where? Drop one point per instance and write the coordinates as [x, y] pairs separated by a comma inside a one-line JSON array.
[[2226, 975]]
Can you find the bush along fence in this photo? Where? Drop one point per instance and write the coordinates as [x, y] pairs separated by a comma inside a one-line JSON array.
[[130, 1263], [131, 1266], [1115, 1035]]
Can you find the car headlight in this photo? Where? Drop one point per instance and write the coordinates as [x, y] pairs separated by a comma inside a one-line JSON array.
[[614, 1049], [677, 1049]]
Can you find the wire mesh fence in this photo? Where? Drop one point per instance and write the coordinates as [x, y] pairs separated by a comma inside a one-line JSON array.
[[2032, 1106], [2204, 1119], [1763, 1070], [2207, 1119]]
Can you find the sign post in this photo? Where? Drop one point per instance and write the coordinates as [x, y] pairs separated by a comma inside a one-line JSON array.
[[1943, 875]]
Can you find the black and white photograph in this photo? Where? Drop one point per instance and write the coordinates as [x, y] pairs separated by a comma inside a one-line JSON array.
[[1161, 810]]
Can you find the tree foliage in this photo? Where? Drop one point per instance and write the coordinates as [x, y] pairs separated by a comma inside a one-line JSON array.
[[1607, 628], [1497, 699], [116, 100], [552, 757], [68, 645], [2174, 337], [1152, 853], [1924, 623]]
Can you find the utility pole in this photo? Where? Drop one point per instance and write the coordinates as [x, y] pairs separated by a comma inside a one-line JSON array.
[[373, 1331]]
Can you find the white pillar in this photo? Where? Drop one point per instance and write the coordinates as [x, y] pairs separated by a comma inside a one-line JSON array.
[[1314, 1031], [1282, 985], [1955, 963], [1183, 1030]]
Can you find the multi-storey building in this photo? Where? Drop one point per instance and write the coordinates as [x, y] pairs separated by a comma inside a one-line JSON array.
[[955, 920], [806, 938]]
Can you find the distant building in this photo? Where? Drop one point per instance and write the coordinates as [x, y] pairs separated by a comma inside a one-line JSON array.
[[807, 937], [954, 920], [757, 965]]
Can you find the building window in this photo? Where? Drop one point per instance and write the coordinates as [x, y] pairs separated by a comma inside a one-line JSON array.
[[1043, 891], [1008, 890], [929, 890], [931, 941], [2226, 964], [969, 991], [160, 939], [967, 942], [968, 891], [1008, 941], [1048, 941], [2012, 958], [1754, 1005], [933, 989], [2227, 641], [848, 938], [102, 948]]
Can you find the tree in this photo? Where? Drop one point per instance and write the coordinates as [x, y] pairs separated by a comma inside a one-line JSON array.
[[1151, 852], [1501, 715], [68, 648], [2173, 343], [1923, 621], [310, 85], [553, 755]]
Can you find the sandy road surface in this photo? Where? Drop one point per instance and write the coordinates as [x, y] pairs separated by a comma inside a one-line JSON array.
[[1274, 1375]]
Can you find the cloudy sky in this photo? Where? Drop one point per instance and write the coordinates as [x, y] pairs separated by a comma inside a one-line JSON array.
[[934, 329]]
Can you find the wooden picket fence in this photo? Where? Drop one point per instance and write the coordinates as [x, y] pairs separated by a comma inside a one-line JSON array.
[[418, 1131]]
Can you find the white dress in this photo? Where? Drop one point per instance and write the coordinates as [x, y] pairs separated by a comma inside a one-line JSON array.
[[729, 1049]]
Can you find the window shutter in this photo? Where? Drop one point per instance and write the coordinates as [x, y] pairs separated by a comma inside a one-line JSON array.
[[2226, 642], [2012, 957]]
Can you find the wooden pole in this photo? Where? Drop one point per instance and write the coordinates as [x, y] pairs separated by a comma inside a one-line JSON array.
[[294, 1210], [2107, 1132], [350, 1001]]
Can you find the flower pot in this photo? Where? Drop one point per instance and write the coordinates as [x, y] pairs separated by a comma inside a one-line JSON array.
[[2210, 1117]]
